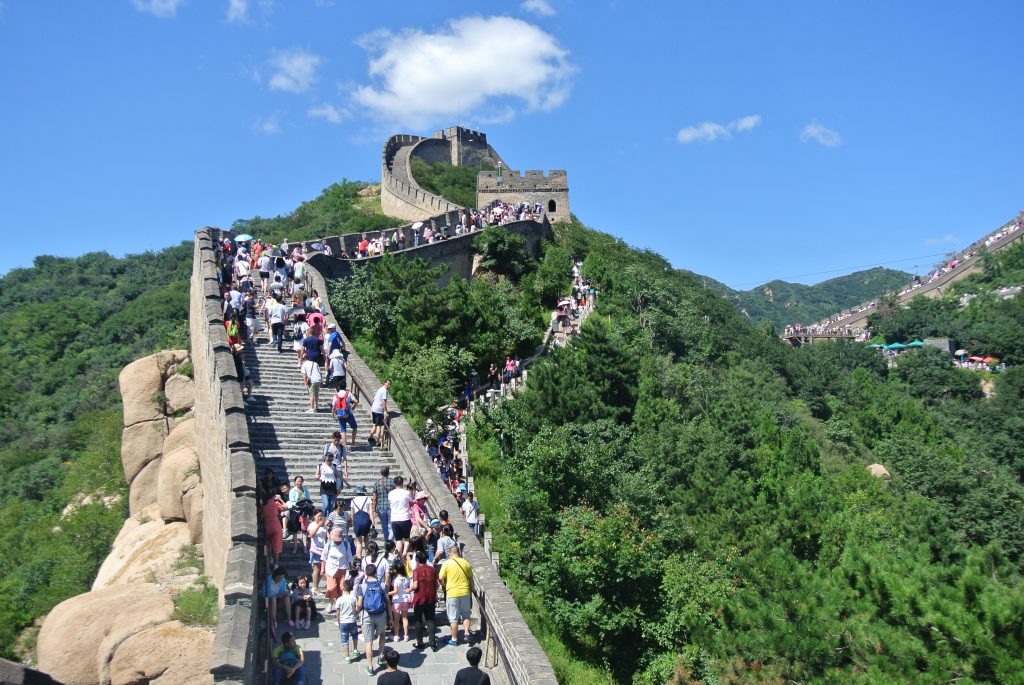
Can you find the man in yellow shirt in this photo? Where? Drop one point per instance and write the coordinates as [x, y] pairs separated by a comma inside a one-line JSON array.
[[457, 580]]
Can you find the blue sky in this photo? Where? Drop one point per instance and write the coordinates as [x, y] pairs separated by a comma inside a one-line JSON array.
[[742, 140]]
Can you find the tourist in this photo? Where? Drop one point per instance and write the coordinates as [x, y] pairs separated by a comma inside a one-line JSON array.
[[371, 601], [263, 264], [337, 559], [313, 379], [424, 599], [393, 676], [277, 593], [272, 531], [302, 603], [401, 598], [338, 518], [471, 510], [456, 578], [276, 314], [348, 624], [287, 660], [444, 544], [317, 531], [345, 412], [336, 449], [337, 370], [472, 675], [379, 412], [400, 502], [381, 488], [329, 477], [361, 505]]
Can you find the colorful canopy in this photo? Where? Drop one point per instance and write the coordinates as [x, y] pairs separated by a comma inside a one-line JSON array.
[[916, 343], [896, 346]]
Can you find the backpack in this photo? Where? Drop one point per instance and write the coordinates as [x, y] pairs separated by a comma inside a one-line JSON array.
[[341, 408], [333, 342], [373, 598]]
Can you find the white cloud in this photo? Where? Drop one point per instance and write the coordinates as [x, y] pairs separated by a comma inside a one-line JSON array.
[[328, 112], [820, 133], [541, 8], [948, 238], [268, 125], [294, 70], [238, 10], [472, 65], [709, 131], [158, 8]]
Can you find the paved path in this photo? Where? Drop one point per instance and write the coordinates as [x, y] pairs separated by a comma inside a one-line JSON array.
[[290, 441]]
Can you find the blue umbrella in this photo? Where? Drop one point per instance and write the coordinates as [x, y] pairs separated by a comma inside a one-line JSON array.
[[243, 238]]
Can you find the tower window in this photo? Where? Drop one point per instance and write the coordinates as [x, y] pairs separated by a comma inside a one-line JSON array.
[[551, 206]]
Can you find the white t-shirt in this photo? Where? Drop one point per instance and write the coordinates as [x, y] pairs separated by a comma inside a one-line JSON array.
[[362, 503], [337, 367], [277, 313], [379, 398], [400, 500], [311, 370], [469, 510]]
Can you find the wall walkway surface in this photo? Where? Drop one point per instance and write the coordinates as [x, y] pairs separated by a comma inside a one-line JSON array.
[[230, 528], [518, 656], [400, 195]]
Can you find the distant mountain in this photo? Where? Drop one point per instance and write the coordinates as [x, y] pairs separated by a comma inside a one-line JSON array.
[[785, 303]]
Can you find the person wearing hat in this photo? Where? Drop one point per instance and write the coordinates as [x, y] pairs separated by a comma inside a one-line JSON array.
[[337, 370], [362, 505], [337, 558], [334, 341]]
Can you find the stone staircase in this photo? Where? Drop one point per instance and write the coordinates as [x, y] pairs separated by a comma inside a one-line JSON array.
[[290, 441]]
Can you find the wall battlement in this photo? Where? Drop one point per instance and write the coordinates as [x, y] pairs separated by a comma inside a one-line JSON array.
[[550, 190]]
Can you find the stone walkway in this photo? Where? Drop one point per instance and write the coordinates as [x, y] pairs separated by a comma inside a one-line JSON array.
[[288, 440]]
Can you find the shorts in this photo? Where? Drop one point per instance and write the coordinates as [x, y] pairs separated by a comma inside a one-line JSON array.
[[401, 529], [314, 390], [314, 557], [459, 608], [264, 275], [349, 631], [401, 608], [362, 528], [374, 625], [378, 418], [350, 420]]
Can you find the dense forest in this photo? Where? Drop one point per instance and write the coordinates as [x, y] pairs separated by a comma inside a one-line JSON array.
[[71, 324], [679, 496]]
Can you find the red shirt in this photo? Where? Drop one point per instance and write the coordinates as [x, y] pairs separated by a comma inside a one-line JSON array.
[[425, 578]]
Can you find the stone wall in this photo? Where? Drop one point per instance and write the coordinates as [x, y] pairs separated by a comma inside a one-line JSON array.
[[400, 195], [520, 659], [455, 253], [230, 529], [551, 190]]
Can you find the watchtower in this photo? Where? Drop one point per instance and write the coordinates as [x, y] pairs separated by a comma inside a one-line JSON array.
[[550, 190]]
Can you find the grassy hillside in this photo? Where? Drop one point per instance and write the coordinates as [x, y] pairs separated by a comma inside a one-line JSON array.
[[785, 303], [70, 325]]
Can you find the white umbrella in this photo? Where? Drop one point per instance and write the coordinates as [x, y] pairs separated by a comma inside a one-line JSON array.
[[418, 224], [960, 353]]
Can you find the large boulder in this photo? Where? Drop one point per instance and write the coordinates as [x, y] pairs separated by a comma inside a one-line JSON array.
[[192, 501], [168, 361], [144, 550], [140, 383], [183, 434], [179, 473], [80, 634], [878, 471], [142, 490], [168, 654], [180, 392], [141, 443]]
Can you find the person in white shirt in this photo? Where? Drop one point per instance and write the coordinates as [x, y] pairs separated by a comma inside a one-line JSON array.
[[400, 501], [471, 510], [313, 378], [379, 410], [276, 314]]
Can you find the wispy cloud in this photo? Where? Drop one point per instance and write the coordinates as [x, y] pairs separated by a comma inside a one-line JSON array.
[[421, 78], [163, 9], [948, 238], [541, 8], [821, 134], [293, 70], [709, 131], [238, 11], [328, 112], [268, 125]]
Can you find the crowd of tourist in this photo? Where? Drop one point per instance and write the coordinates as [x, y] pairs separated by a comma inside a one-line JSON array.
[[826, 331]]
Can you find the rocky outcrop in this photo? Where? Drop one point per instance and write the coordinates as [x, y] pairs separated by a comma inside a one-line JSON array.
[[180, 393], [146, 549], [182, 657], [80, 635], [878, 471]]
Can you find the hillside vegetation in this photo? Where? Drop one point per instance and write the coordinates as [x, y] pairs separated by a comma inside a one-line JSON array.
[[679, 496], [70, 325], [454, 183], [785, 303]]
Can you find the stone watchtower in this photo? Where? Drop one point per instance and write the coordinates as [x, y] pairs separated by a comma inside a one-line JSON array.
[[551, 190]]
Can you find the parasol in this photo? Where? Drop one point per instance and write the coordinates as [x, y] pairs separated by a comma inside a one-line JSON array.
[[243, 238]]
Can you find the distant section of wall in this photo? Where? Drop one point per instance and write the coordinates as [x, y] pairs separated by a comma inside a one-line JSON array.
[[400, 195], [520, 658], [551, 190], [230, 528], [455, 253]]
